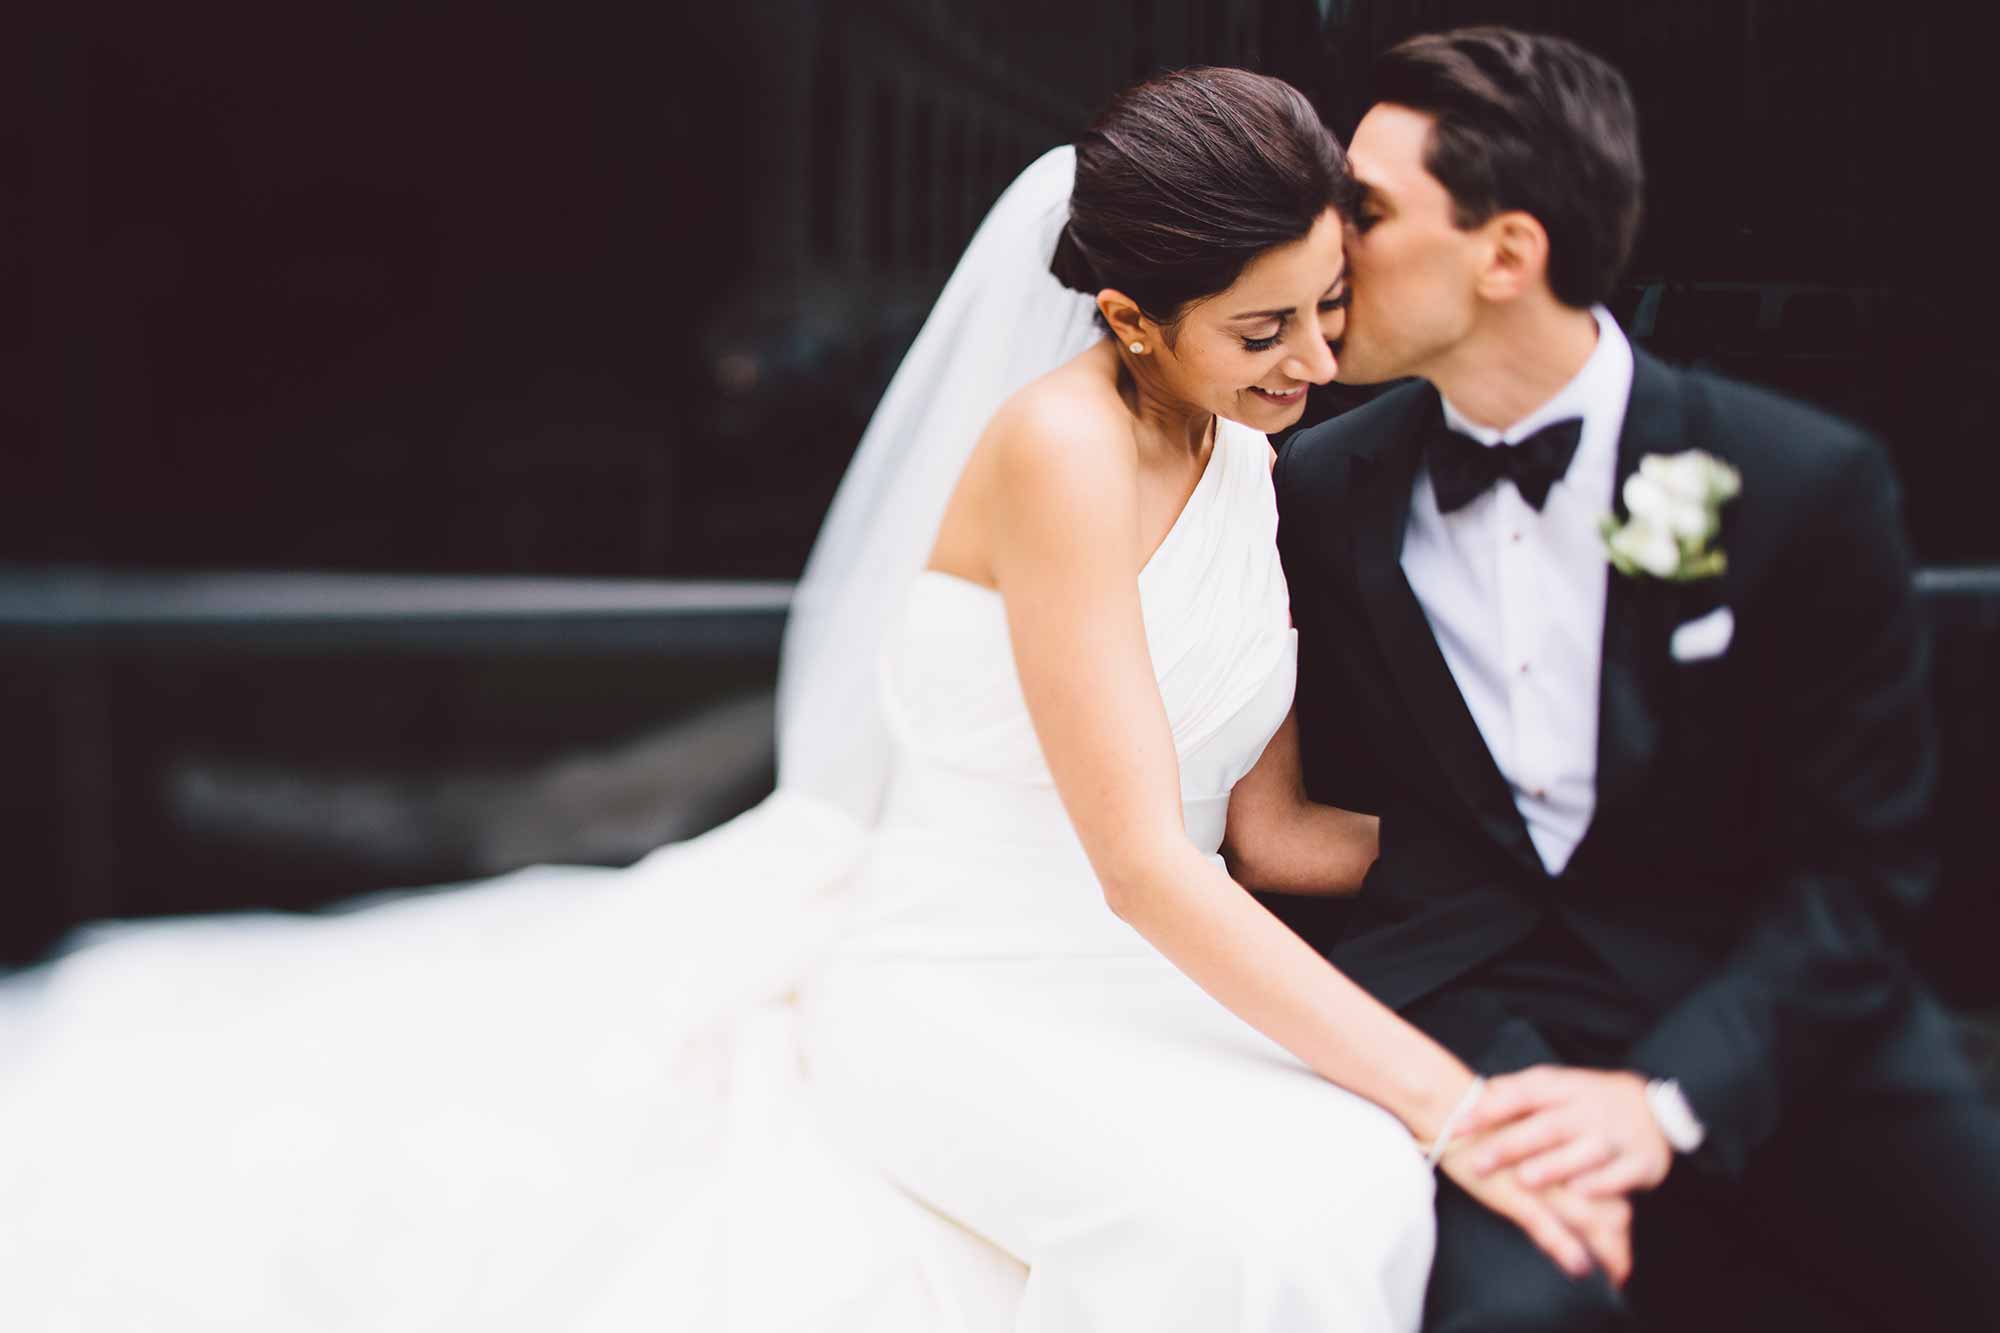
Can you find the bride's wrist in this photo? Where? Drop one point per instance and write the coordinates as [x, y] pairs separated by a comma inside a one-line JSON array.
[[1427, 1110]]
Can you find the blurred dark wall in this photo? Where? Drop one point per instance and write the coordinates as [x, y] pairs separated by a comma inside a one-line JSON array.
[[414, 286], [510, 287], [606, 289]]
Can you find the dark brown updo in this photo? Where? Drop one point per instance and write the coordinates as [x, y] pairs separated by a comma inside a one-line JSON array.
[[1186, 178]]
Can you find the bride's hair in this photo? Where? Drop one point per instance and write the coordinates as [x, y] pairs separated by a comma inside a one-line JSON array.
[[1184, 179]]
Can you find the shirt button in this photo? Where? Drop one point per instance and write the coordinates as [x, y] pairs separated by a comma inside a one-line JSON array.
[[1513, 536], [1540, 793], [1524, 668]]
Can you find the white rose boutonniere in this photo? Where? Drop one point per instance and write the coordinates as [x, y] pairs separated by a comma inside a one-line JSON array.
[[1675, 506]]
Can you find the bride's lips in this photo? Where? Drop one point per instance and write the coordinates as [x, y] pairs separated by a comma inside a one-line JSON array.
[[1289, 399]]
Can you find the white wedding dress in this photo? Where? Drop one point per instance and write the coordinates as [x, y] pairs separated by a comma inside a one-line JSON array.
[[863, 1060]]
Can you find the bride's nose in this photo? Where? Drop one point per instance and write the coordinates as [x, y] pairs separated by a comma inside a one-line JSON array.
[[1312, 359]]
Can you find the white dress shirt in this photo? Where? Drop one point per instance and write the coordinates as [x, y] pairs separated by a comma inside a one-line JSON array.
[[1515, 599]]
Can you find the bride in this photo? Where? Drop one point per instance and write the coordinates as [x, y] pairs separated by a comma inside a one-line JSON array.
[[967, 1026]]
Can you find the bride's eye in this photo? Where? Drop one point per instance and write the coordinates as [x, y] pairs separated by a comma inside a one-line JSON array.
[[1339, 302], [1265, 344]]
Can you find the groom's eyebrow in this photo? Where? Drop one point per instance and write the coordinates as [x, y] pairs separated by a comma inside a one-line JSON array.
[[1338, 278]]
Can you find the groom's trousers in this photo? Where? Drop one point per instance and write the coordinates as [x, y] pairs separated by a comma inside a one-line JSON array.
[[1876, 1206]]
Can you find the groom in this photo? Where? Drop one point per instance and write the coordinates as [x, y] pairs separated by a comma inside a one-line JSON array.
[[1652, 826]]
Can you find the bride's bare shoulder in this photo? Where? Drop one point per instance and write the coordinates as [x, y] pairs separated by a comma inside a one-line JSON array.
[[1056, 453], [1069, 426]]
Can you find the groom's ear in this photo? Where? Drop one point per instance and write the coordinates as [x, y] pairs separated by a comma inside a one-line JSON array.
[[1517, 256]]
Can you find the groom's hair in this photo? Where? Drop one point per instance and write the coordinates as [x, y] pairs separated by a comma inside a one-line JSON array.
[[1535, 124], [1184, 179]]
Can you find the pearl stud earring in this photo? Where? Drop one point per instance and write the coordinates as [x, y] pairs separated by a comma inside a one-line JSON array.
[[1138, 348]]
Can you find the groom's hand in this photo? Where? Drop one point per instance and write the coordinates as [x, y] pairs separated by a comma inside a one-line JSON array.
[[1588, 1129]]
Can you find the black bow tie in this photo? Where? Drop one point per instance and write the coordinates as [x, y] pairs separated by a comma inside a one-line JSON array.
[[1462, 468]]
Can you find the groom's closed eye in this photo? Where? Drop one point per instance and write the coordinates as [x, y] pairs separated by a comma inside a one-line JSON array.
[[1336, 299], [1331, 305], [1368, 210]]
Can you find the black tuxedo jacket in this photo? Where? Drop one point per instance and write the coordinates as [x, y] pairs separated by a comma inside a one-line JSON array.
[[1760, 819]]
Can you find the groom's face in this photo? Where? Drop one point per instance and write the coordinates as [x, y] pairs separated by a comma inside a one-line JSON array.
[[1414, 271]]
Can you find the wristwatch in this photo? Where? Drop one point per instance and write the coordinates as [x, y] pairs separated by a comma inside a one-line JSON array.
[[1679, 1124]]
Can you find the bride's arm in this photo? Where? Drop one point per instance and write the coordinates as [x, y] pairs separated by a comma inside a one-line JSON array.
[[1063, 536], [1064, 542], [1278, 841]]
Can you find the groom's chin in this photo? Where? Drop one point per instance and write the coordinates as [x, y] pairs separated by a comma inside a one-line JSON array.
[[1361, 376], [1355, 368]]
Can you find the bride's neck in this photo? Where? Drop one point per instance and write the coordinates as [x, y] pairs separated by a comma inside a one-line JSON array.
[[1172, 427], [1184, 433]]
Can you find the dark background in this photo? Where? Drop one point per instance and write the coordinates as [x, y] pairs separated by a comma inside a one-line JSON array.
[[611, 289], [488, 289]]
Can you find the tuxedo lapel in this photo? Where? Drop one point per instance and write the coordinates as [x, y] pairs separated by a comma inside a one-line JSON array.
[[1384, 480], [1638, 616]]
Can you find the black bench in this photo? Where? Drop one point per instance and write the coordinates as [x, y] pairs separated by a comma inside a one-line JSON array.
[[136, 700]]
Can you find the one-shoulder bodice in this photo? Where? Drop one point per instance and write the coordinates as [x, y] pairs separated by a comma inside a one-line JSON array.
[[1213, 596]]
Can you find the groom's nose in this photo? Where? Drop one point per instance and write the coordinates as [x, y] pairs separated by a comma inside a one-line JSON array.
[[1312, 360]]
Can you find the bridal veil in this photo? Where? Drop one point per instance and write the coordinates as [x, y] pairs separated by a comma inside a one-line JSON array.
[[1001, 321]]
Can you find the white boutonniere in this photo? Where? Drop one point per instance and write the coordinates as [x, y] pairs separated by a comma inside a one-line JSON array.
[[1674, 503]]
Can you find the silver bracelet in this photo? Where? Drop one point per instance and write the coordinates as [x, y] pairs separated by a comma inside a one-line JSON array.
[[1458, 1113]]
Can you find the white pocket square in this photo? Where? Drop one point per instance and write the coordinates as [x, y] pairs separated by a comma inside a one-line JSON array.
[[1703, 637]]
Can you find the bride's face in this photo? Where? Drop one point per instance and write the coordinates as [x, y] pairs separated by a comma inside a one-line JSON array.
[[1251, 352]]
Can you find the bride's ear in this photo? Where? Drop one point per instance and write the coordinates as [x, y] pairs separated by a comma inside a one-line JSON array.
[[1128, 323]]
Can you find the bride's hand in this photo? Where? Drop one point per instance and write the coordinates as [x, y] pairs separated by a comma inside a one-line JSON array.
[[1575, 1230]]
